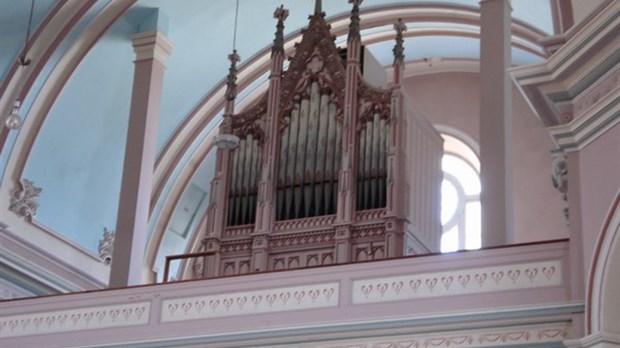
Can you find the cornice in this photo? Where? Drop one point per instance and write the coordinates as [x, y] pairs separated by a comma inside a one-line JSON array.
[[574, 93], [152, 45]]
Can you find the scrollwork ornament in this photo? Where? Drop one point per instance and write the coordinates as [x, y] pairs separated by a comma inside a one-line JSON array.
[[106, 246], [24, 201], [559, 177]]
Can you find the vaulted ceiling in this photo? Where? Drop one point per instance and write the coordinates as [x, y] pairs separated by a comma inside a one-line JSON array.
[[77, 92]]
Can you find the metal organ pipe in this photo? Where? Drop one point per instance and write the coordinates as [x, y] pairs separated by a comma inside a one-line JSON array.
[[246, 160], [309, 156], [371, 173]]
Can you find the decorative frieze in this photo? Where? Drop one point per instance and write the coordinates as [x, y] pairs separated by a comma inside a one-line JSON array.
[[299, 224], [506, 336], [24, 201], [309, 239], [459, 282], [75, 319], [251, 302]]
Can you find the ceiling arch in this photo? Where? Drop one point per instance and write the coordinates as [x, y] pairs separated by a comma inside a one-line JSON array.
[[186, 143]]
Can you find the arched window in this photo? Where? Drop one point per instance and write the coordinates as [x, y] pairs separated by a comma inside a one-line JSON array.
[[460, 196]]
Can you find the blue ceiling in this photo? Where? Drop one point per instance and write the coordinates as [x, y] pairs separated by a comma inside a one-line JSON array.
[[78, 154]]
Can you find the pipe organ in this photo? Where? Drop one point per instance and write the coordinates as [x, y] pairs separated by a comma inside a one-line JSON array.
[[319, 175]]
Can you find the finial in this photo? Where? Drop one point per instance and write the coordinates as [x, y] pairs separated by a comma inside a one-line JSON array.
[[280, 13], [399, 50], [231, 84], [354, 26], [318, 7], [278, 43]]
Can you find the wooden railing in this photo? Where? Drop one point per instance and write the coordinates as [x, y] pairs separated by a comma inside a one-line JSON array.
[[186, 258]]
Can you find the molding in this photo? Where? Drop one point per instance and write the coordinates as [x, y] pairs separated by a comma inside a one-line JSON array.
[[600, 268], [251, 302], [152, 45], [40, 266], [460, 282], [490, 337], [579, 133], [553, 88], [85, 318], [600, 339]]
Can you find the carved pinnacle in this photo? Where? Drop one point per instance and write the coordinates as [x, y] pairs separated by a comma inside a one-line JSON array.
[[318, 7], [354, 26], [231, 84], [399, 50], [278, 43]]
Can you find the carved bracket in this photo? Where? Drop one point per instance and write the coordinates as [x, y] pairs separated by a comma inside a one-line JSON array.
[[25, 199], [106, 246], [559, 177]]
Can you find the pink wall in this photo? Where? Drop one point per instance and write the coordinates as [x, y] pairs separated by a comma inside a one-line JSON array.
[[452, 99], [599, 180]]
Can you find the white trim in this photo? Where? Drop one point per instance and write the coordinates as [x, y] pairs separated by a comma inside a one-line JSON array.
[[75, 319], [458, 282], [251, 302], [600, 339]]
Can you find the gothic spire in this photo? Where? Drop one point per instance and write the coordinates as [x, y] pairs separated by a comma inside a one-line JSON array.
[[278, 43], [399, 55], [318, 7], [231, 84], [354, 26]]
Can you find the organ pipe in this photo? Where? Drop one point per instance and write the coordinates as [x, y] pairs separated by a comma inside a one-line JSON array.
[[309, 156], [246, 161], [371, 173]]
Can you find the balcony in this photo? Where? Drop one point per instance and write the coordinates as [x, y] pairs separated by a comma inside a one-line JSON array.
[[517, 295]]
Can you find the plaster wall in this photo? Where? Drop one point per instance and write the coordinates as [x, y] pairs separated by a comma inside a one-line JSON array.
[[599, 183], [452, 100], [582, 9]]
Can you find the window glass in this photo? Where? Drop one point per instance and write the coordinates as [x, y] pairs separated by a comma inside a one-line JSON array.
[[460, 197]]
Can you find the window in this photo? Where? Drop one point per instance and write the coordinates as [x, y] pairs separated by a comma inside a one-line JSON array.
[[460, 197]]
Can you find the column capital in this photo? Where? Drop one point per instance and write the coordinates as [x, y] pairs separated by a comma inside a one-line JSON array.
[[152, 45]]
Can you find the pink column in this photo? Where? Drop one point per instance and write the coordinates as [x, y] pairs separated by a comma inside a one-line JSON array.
[[266, 204], [216, 213], [152, 49], [395, 202], [345, 213], [495, 122]]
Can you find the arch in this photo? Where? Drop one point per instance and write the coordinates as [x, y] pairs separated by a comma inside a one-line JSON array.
[[178, 159], [603, 297]]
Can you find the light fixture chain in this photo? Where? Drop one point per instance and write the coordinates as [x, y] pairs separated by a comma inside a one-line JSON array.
[[23, 60], [235, 28]]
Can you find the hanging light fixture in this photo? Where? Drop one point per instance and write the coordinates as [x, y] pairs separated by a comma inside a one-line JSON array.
[[14, 121], [226, 140]]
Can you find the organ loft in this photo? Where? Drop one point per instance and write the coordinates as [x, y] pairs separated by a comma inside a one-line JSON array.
[[315, 171]]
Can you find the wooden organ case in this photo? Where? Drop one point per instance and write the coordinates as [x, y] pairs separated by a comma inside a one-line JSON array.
[[319, 175]]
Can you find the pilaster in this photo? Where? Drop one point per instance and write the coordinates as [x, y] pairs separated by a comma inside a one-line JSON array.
[[152, 49], [265, 210], [343, 244], [347, 177], [216, 212]]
